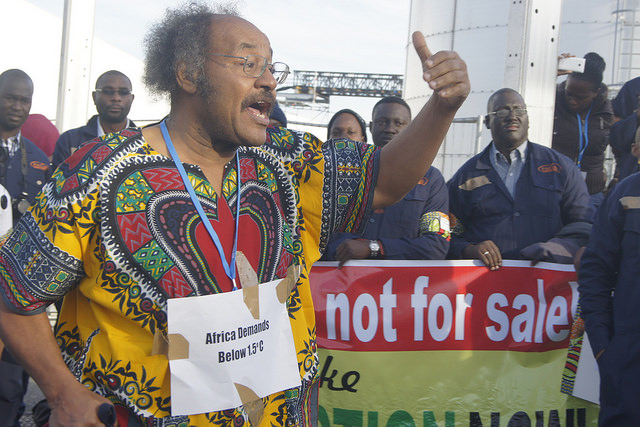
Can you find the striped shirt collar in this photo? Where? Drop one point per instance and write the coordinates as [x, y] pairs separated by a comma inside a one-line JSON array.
[[11, 144]]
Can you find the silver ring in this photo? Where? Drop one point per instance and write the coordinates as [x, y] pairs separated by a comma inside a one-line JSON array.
[[485, 253]]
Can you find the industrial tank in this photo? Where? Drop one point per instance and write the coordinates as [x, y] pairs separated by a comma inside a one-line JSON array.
[[478, 31]]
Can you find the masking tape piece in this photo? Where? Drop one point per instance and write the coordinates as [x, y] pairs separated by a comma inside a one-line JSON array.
[[251, 297], [252, 404], [178, 347], [246, 273], [160, 344], [286, 285]]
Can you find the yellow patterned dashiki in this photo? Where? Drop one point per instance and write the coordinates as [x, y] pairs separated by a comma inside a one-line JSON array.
[[117, 233]]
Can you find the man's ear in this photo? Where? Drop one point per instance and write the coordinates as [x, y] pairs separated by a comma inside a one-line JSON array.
[[371, 127], [186, 80], [487, 118]]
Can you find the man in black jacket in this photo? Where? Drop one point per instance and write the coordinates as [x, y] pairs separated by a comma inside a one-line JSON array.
[[113, 99]]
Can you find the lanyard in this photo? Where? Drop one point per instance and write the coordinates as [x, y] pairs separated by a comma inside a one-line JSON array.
[[584, 134], [229, 268]]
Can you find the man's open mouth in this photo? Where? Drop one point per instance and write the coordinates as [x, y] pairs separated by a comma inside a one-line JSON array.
[[261, 109]]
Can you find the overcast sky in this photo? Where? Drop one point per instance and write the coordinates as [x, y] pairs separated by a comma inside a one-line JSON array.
[[320, 35], [324, 35]]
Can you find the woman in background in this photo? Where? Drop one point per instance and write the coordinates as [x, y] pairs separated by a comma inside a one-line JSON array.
[[583, 117], [347, 124]]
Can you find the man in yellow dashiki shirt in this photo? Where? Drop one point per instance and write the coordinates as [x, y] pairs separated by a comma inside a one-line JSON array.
[[117, 235]]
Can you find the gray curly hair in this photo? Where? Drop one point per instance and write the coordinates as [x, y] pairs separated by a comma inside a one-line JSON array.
[[181, 36]]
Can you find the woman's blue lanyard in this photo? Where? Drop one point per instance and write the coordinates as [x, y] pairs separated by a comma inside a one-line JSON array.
[[584, 135], [229, 268]]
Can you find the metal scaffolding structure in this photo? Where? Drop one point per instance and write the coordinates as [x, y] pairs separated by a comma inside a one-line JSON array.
[[323, 84]]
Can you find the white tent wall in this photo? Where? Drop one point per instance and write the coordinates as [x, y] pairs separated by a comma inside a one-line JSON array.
[[32, 43], [479, 31]]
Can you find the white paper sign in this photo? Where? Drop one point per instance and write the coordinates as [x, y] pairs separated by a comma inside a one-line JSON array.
[[587, 382], [6, 211], [228, 346]]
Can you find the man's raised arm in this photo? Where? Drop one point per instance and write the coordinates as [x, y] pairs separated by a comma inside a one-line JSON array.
[[408, 156]]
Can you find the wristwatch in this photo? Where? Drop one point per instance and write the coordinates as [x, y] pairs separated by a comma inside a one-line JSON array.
[[374, 248]]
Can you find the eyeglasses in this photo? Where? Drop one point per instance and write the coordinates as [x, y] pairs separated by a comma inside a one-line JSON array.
[[255, 65], [504, 112], [111, 92]]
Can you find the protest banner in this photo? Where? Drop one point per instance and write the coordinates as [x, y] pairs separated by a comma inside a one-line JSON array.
[[445, 343]]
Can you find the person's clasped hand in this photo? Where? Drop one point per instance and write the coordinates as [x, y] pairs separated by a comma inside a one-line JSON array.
[[352, 249], [487, 252]]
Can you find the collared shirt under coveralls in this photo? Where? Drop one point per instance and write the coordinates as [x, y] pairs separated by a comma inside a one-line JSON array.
[[549, 195], [609, 299]]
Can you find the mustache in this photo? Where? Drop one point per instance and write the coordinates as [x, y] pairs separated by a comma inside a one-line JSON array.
[[266, 97]]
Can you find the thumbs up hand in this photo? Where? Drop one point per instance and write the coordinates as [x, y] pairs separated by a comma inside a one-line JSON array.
[[445, 72]]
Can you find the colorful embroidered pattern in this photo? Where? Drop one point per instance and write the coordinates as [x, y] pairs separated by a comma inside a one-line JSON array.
[[435, 222], [573, 355], [344, 156], [117, 234]]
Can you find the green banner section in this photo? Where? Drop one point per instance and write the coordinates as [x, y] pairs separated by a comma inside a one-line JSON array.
[[447, 389]]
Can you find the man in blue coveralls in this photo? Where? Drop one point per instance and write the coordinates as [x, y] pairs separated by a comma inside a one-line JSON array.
[[417, 227], [609, 302], [517, 199], [24, 168]]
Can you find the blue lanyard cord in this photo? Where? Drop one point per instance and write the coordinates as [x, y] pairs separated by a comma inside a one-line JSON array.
[[584, 134], [229, 268]]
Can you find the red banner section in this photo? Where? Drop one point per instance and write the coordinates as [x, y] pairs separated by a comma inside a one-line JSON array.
[[443, 305]]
